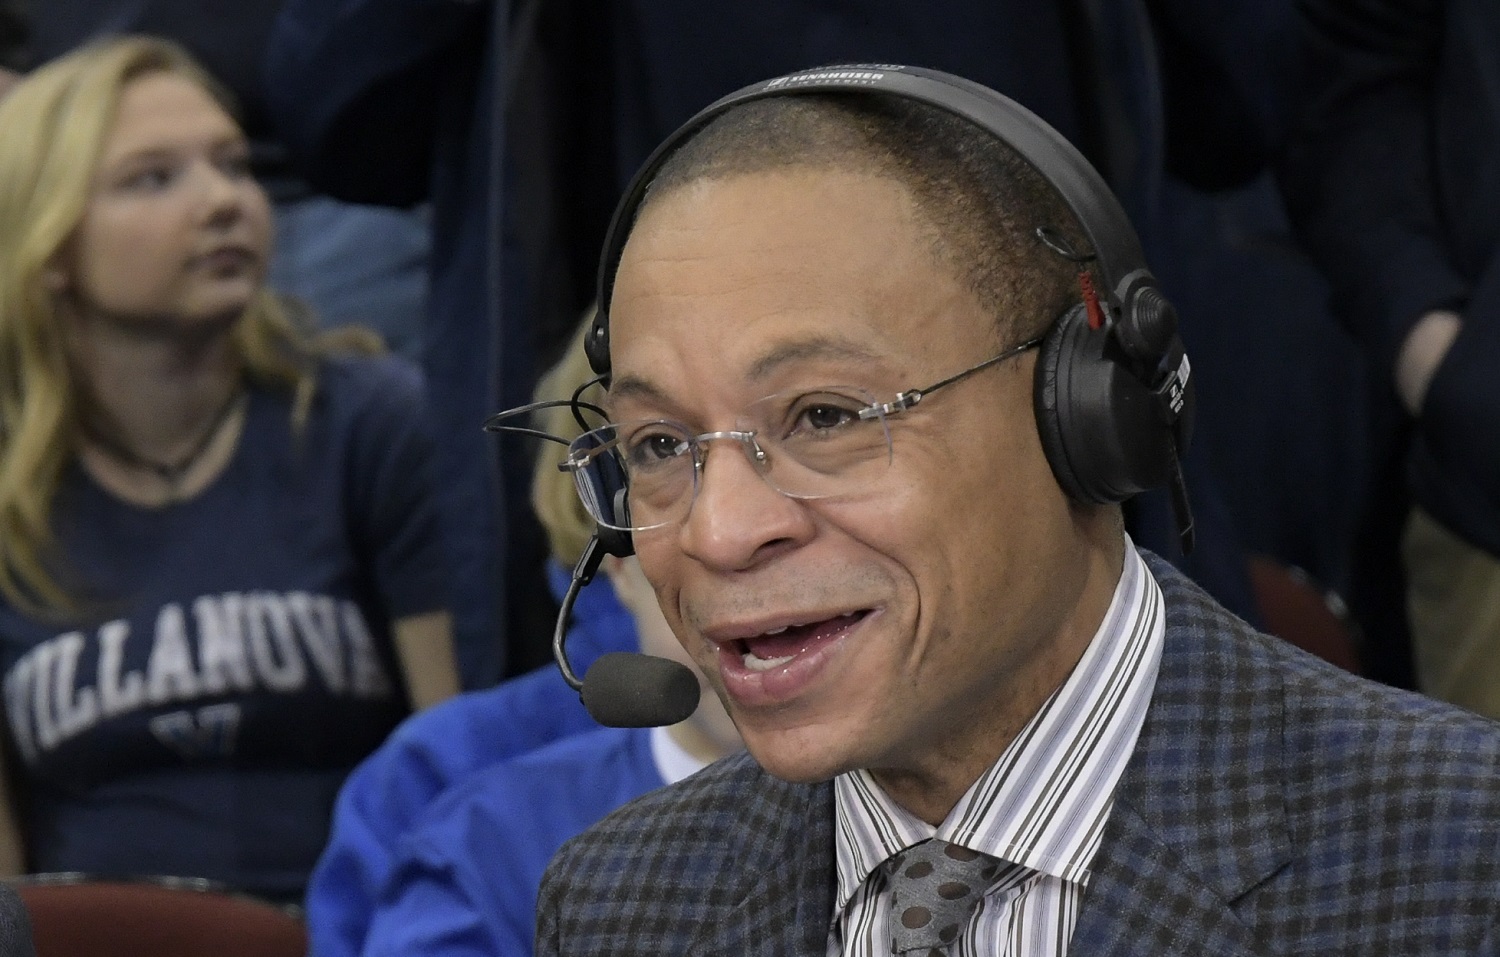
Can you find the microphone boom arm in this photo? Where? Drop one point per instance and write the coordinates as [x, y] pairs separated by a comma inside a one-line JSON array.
[[583, 573]]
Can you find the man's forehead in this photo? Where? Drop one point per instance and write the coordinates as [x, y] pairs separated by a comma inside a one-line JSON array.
[[818, 196], [740, 286]]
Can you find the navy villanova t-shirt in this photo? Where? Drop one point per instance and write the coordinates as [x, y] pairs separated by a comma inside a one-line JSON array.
[[237, 660]]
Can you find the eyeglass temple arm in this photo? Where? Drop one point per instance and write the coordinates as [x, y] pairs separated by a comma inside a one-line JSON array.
[[909, 398], [499, 421]]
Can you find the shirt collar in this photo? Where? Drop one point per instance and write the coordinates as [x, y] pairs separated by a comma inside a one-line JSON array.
[[1044, 802], [672, 760]]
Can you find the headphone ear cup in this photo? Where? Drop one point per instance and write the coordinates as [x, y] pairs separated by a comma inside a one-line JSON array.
[[1100, 426], [604, 491], [1047, 400], [617, 541], [596, 343]]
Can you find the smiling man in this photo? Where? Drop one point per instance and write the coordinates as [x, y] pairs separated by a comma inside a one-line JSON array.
[[854, 324]]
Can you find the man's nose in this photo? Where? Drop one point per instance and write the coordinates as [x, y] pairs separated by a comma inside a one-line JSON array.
[[737, 518]]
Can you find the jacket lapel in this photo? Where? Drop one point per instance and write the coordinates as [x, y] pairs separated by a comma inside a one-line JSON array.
[[788, 875], [1143, 901], [1199, 817]]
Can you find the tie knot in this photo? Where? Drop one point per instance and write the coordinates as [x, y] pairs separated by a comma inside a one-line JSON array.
[[935, 887]]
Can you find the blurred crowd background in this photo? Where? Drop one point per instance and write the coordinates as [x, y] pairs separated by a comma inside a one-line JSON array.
[[1316, 184]]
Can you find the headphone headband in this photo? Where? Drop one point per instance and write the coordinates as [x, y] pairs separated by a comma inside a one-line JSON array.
[[1119, 264]]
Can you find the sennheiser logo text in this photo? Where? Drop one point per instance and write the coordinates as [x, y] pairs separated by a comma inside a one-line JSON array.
[[865, 77]]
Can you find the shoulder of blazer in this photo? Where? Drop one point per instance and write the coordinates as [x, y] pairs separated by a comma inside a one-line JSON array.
[[1270, 791], [729, 852]]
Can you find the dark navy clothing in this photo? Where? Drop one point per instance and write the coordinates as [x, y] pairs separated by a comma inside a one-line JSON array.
[[235, 660], [227, 37], [466, 881], [15, 926], [1393, 178], [419, 87], [437, 749]]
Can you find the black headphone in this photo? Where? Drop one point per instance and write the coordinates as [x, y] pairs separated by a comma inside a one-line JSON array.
[[1113, 396]]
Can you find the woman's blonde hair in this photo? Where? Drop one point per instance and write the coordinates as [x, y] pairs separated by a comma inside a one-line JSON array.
[[553, 496], [53, 125]]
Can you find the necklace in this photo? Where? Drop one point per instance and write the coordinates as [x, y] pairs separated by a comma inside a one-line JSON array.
[[170, 473]]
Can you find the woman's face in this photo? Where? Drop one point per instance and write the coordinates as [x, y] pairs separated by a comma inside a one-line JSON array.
[[176, 233]]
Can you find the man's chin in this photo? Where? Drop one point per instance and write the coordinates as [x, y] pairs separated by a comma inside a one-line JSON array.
[[793, 757]]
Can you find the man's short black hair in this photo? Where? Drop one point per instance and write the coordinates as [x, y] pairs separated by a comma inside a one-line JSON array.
[[982, 201]]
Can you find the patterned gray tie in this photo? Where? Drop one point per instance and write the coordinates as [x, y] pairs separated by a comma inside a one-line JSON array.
[[935, 887]]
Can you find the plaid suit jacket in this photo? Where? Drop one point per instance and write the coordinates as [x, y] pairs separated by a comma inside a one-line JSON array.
[[1273, 805]]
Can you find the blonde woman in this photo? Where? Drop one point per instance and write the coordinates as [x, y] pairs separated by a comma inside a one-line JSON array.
[[220, 579]]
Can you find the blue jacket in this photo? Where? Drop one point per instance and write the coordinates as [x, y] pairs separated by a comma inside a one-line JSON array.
[[1274, 805], [467, 876], [433, 751]]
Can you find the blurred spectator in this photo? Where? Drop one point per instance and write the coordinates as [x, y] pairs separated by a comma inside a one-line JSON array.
[[466, 876], [1394, 180], [452, 743], [431, 752], [351, 264], [219, 563], [462, 876], [522, 122]]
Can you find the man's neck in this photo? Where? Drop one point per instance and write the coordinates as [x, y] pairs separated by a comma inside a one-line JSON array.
[[934, 782]]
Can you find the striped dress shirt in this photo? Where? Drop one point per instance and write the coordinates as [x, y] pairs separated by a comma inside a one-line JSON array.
[[1041, 807]]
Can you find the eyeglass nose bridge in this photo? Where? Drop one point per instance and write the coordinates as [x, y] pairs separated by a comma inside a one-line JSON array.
[[747, 441]]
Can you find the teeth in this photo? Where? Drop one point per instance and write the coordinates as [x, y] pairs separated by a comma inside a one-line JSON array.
[[777, 631], [764, 664]]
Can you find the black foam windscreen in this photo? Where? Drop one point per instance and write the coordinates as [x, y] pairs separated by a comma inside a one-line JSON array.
[[625, 690]]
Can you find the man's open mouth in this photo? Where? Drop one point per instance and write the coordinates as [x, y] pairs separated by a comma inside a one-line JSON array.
[[775, 648]]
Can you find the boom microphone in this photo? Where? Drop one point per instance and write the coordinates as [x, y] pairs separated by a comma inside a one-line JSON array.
[[626, 690], [622, 689]]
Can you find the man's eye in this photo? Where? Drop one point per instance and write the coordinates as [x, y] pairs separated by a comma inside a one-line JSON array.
[[823, 417], [652, 448]]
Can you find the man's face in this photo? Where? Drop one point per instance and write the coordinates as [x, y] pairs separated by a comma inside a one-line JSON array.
[[910, 628]]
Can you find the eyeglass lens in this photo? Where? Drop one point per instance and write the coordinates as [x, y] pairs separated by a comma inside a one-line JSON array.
[[806, 445]]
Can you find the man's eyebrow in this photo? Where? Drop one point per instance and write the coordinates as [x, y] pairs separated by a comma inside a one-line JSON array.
[[801, 350], [633, 387], [812, 348]]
